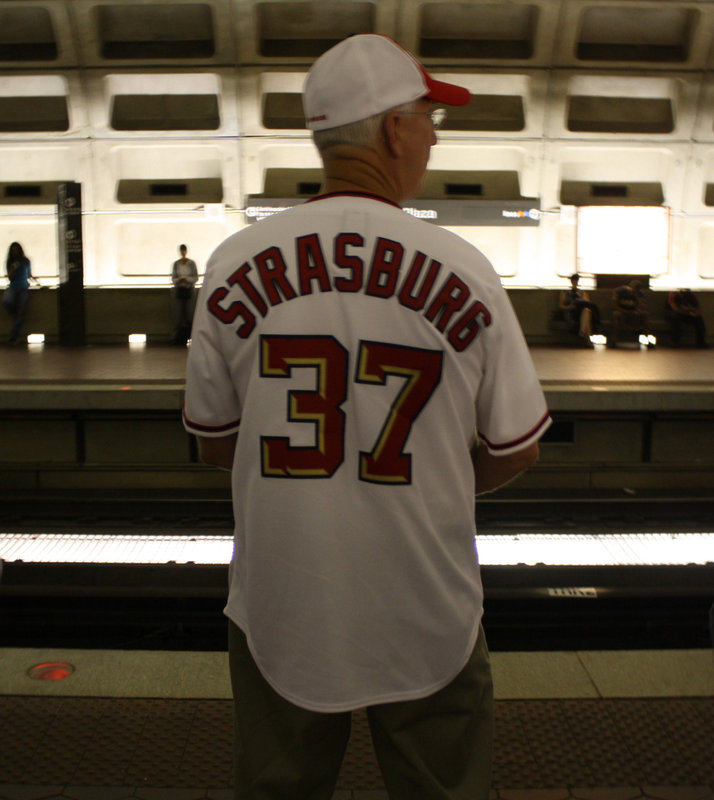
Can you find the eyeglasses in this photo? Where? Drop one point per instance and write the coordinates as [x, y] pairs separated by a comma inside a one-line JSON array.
[[436, 115]]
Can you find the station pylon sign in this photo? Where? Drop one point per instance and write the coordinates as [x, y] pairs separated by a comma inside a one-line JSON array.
[[71, 265]]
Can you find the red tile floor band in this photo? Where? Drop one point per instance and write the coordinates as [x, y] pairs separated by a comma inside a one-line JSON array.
[[540, 744]]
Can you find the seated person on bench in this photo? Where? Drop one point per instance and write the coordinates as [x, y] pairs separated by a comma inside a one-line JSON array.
[[630, 306], [683, 309]]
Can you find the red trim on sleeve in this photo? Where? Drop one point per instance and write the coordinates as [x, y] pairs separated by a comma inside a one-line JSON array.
[[211, 429], [544, 421]]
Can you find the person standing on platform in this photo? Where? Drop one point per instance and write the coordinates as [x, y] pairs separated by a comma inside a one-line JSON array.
[[582, 314], [16, 295], [379, 379], [184, 275], [683, 309]]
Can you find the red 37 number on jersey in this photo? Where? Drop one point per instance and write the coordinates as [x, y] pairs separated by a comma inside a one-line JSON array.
[[386, 462], [279, 356]]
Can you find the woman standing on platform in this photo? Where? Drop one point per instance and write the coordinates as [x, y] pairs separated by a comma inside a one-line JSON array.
[[15, 298]]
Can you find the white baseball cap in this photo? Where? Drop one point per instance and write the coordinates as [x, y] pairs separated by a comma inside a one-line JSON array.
[[368, 74]]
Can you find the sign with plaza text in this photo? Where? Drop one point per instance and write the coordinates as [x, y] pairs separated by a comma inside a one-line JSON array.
[[449, 213]]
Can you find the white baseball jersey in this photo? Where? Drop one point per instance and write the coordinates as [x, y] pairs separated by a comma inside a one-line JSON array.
[[358, 349]]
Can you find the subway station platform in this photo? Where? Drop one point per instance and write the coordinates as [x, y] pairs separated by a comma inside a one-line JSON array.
[[94, 376], [586, 724], [102, 417]]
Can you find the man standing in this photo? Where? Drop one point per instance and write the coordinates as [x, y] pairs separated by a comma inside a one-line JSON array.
[[184, 275], [379, 378], [582, 314]]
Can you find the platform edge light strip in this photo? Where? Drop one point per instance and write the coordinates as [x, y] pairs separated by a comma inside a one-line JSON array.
[[136, 549], [494, 549]]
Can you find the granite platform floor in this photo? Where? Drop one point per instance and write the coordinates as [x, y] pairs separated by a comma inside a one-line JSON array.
[[588, 726], [157, 749]]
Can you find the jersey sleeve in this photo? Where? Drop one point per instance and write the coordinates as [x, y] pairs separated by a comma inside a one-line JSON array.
[[211, 406], [511, 411]]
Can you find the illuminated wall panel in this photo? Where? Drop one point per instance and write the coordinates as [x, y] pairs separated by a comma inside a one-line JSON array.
[[170, 127], [138, 104], [36, 35], [623, 240], [38, 237], [280, 91], [655, 34], [158, 252], [37, 167], [260, 155], [498, 100], [622, 105], [517, 248], [631, 164], [704, 127], [41, 106], [519, 158], [101, 166], [645, 34], [521, 32], [507, 253], [704, 254], [123, 33], [200, 166], [292, 31], [139, 237], [563, 245]]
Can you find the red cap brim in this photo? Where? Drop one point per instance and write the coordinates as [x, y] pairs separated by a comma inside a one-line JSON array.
[[447, 93]]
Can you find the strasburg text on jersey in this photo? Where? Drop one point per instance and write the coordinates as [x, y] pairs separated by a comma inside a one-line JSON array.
[[390, 270]]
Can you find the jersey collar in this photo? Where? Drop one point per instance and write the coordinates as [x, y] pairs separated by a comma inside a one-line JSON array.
[[367, 195]]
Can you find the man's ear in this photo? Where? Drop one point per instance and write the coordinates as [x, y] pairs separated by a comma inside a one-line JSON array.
[[392, 134]]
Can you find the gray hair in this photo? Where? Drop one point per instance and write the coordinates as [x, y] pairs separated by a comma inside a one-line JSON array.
[[363, 133]]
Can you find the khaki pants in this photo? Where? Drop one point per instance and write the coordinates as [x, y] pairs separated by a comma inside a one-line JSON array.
[[436, 748]]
